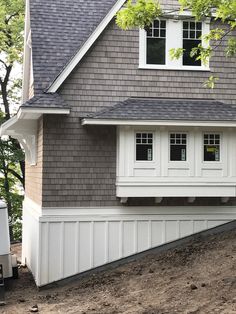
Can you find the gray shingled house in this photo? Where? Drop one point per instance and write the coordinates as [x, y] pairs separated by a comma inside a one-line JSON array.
[[125, 148]]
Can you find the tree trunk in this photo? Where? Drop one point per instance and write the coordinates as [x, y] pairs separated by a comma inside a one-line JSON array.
[[4, 84]]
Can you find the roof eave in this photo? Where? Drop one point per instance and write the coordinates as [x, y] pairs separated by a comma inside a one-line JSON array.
[[24, 127], [183, 123]]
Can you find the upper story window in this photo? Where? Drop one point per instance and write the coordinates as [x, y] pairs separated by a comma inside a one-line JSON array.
[[211, 147], [178, 146], [163, 35], [144, 146]]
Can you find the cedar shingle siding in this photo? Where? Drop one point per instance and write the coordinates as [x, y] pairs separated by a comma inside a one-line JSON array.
[[80, 162], [33, 174]]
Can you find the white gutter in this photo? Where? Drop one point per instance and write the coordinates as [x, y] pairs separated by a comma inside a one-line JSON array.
[[90, 121]]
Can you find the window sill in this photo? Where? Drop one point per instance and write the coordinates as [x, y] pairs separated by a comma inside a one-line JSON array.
[[165, 67]]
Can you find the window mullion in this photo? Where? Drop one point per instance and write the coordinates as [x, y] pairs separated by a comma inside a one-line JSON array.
[[173, 41]]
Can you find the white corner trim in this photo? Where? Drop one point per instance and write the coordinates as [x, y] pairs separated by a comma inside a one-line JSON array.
[[82, 51], [182, 123]]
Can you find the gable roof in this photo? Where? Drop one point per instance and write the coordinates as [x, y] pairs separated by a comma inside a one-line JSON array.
[[155, 109], [60, 29]]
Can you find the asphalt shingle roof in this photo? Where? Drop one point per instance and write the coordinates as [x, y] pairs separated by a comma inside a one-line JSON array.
[[168, 109], [58, 30], [48, 100]]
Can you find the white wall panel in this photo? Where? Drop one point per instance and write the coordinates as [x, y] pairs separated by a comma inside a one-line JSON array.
[[44, 253], [55, 248], [171, 230], [30, 241], [113, 240], [60, 246], [69, 264], [143, 228], [186, 228], [85, 246], [128, 238], [199, 225], [156, 233], [99, 243]]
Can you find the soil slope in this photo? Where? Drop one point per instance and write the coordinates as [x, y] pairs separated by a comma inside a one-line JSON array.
[[199, 277]]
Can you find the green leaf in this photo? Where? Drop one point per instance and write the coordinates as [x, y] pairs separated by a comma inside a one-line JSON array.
[[210, 83], [140, 14], [176, 53]]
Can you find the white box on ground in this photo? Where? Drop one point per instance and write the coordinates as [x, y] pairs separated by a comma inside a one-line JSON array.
[[5, 255]]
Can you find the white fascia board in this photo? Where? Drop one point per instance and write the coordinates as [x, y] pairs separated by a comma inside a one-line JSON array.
[[26, 62], [30, 114], [82, 51], [7, 125], [35, 113], [88, 121]]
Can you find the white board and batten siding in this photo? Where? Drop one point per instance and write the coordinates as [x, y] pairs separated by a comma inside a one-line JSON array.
[[164, 178], [59, 243]]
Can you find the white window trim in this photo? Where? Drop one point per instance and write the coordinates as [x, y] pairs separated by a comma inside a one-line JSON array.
[[173, 40]]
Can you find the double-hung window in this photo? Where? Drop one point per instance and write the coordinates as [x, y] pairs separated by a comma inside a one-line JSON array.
[[165, 34]]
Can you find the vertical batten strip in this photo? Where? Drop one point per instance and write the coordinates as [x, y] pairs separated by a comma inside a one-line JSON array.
[[91, 243], [62, 246], [121, 239], [106, 242], [135, 236], [39, 257], [192, 230], [178, 229], [77, 246], [163, 231], [46, 235], [149, 234]]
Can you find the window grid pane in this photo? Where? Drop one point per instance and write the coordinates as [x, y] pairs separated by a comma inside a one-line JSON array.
[[178, 138], [192, 30], [157, 29]]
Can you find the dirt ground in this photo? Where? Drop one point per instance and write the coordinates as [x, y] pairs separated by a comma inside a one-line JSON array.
[[196, 278]]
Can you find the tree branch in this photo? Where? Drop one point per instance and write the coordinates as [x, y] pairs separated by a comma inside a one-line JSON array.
[[7, 20], [15, 174], [5, 65]]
